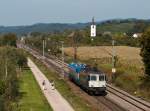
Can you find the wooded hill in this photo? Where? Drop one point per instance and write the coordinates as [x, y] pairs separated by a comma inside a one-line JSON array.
[[115, 25], [128, 26], [41, 27]]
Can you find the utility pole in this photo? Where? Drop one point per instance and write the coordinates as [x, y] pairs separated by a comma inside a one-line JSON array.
[[63, 73], [74, 37], [6, 70], [75, 52], [45, 44], [43, 49], [113, 59]]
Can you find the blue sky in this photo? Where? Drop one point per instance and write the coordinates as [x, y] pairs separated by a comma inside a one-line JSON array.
[[26, 12]]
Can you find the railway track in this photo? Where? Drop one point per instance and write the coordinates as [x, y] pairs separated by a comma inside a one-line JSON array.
[[111, 106], [138, 103]]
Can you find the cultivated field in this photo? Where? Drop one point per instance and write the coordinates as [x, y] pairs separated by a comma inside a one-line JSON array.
[[129, 60], [124, 53]]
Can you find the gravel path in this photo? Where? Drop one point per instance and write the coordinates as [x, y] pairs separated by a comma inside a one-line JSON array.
[[57, 102]]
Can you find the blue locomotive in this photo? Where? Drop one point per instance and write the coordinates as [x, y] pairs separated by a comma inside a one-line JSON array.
[[88, 78]]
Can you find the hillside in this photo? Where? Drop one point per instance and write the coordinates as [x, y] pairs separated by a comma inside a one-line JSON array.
[[41, 27], [113, 26], [128, 26]]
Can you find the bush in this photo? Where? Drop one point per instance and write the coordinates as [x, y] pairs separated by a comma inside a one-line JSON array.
[[8, 40], [145, 50]]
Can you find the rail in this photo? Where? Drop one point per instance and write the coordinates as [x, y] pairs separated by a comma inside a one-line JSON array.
[[143, 105]]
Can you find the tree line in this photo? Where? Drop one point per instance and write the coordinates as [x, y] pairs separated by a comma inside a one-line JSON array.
[[11, 60], [145, 53]]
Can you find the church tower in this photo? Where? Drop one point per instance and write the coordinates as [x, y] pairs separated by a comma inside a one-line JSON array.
[[93, 28]]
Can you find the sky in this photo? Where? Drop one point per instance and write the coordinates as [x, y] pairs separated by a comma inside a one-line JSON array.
[[27, 12]]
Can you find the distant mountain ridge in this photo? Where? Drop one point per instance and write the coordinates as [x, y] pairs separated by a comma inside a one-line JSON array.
[[59, 27], [42, 27]]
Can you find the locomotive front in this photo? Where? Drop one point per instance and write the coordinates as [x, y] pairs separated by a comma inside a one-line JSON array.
[[97, 83]]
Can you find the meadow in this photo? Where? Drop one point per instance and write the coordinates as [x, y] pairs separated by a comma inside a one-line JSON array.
[[32, 98]]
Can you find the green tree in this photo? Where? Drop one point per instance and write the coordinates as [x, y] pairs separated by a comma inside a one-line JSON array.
[[145, 50], [8, 39], [12, 58]]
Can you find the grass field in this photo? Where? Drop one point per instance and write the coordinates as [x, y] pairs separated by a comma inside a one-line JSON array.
[[32, 98]]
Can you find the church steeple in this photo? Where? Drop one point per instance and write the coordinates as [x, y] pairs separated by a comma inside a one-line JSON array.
[[93, 28], [93, 22]]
